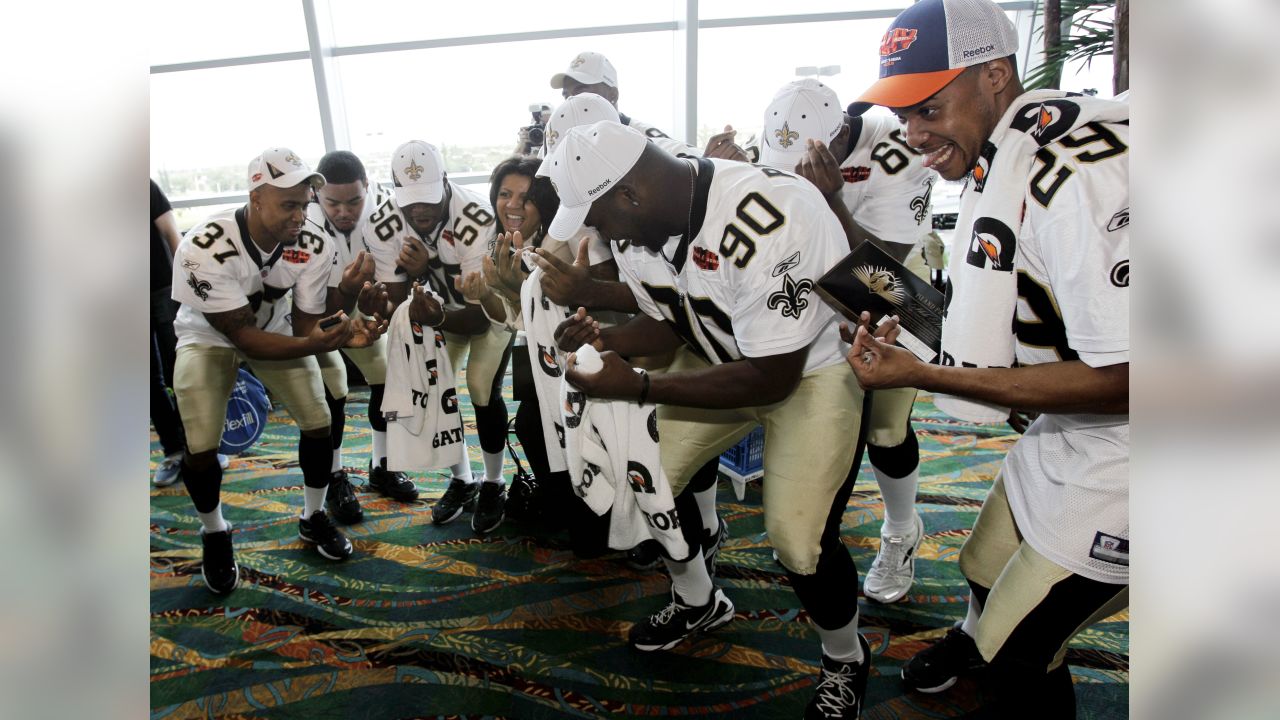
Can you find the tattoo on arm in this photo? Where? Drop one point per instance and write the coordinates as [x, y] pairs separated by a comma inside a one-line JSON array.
[[232, 321]]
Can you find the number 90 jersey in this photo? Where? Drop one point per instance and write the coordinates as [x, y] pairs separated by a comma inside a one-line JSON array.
[[744, 285], [457, 246], [887, 188], [218, 268]]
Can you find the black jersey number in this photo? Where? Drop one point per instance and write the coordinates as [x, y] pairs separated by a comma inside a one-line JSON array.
[[312, 240], [892, 159], [1047, 330], [214, 232], [1094, 143], [761, 217], [386, 223], [477, 214], [683, 314]]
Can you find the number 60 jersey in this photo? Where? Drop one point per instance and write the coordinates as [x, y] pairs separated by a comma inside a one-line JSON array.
[[742, 282], [218, 268]]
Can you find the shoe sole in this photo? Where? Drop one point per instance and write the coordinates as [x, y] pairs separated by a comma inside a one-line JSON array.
[[403, 497], [447, 520], [888, 599], [724, 618], [929, 690], [320, 549], [215, 591]]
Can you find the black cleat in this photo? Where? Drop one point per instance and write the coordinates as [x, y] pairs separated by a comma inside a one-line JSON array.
[[490, 508], [341, 499], [319, 530], [392, 483], [669, 626], [938, 666], [219, 568], [459, 496], [841, 688]]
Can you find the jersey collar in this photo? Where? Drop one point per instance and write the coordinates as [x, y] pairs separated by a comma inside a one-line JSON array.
[[701, 190], [251, 248]]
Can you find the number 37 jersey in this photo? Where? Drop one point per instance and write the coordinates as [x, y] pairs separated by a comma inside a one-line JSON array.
[[217, 268], [744, 285]]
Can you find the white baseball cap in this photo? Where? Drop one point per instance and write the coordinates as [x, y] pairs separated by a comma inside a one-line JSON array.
[[586, 163], [282, 168], [417, 173], [801, 110], [588, 68], [582, 109]]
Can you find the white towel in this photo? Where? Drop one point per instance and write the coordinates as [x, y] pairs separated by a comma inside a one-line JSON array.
[[614, 463], [977, 328], [424, 426], [546, 362]]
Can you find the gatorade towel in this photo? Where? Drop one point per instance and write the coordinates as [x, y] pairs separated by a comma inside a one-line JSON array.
[[246, 415]]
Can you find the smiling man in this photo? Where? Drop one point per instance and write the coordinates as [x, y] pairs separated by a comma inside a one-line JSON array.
[[722, 262], [1043, 241]]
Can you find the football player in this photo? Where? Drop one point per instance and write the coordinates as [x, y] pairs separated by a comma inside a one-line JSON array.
[[231, 274], [340, 212], [432, 231], [880, 189], [722, 261], [1044, 238]]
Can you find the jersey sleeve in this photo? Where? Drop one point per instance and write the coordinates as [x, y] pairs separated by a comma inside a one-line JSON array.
[[777, 309], [200, 280], [383, 234], [627, 273], [311, 290], [1082, 240]]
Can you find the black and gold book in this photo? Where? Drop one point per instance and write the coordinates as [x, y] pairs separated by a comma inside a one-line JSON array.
[[869, 280]]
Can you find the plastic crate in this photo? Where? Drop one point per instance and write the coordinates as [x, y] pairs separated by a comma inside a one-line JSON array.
[[744, 462]]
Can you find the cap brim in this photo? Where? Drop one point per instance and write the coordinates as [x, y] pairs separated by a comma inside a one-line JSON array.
[[780, 159], [295, 179], [557, 80], [568, 221], [429, 193], [901, 91]]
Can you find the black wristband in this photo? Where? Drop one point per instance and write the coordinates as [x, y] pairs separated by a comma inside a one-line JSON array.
[[644, 386]]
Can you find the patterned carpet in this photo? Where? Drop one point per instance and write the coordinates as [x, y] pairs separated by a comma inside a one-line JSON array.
[[428, 621]]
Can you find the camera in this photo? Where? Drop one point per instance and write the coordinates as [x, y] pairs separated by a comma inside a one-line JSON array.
[[537, 131]]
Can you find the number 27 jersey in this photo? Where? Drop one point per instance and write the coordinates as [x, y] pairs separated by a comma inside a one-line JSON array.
[[744, 284]]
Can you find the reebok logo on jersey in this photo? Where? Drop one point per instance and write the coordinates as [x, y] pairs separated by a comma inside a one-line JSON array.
[[897, 40], [1119, 220], [294, 255], [786, 265], [706, 259], [190, 265], [200, 287], [855, 174]]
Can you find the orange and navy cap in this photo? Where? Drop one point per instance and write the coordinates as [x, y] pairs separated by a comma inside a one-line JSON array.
[[932, 42]]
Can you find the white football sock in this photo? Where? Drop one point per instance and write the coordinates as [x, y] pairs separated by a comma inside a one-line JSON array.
[[493, 466], [337, 460], [312, 500], [462, 471], [971, 617], [706, 500], [899, 501], [842, 644], [690, 580], [212, 521], [379, 447]]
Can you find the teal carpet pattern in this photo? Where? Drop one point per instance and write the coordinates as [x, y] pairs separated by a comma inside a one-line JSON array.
[[431, 621]]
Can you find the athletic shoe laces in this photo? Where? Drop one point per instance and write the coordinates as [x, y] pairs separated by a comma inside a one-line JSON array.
[[835, 690]]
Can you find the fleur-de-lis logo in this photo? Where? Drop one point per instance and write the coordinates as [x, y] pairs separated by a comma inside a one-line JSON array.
[[201, 287], [577, 62], [552, 137], [413, 171], [920, 203], [786, 136], [292, 160], [790, 300]]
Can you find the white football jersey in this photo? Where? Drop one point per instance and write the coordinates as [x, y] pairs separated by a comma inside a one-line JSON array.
[[887, 188], [217, 269], [1068, 477], [348, 245], [457, 246], [744, 284]]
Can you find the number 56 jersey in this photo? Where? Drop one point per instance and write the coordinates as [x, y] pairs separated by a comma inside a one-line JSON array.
[[218, 268], [456, 248], [741, 284]]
